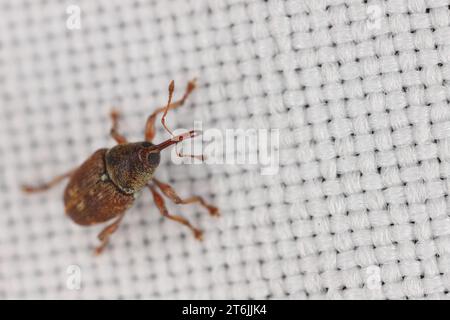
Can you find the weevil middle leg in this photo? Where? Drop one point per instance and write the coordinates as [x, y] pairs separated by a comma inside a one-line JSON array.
[[169, 192], [159, 201]]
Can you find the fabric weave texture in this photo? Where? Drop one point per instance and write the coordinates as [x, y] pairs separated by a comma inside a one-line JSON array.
[[359, 91]]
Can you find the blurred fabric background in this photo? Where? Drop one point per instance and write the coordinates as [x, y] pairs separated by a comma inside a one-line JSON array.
[[359, 91]]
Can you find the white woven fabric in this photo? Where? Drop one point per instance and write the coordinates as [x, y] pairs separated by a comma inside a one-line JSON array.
[[359, 90]]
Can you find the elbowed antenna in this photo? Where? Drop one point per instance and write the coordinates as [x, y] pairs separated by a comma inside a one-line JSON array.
[[176, 139]]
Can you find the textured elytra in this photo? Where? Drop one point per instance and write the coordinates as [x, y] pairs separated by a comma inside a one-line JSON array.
[[90, 198]]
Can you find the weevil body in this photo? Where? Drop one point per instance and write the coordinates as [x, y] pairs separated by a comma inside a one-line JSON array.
[[107, 183], [105, 186]]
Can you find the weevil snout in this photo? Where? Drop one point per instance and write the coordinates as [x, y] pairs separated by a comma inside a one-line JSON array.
[[150, 154], [177, 139]]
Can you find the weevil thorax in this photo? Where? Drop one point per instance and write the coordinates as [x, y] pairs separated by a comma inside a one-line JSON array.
[[130, 166]]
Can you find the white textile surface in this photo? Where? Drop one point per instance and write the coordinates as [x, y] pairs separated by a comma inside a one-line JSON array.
[[359, 91]]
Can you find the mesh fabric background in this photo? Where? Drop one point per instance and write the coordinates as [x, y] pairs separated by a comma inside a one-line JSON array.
[[359, 208]]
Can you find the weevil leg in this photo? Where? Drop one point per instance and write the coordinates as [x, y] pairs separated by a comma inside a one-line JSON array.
[[172, 195], [150, 125], [46, 186], [120, 139], [104, 235], [159, 201]]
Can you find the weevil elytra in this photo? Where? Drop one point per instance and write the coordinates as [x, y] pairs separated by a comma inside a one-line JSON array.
[[106, 184]]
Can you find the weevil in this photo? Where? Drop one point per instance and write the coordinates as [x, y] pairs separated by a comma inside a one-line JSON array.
[[106, 185]]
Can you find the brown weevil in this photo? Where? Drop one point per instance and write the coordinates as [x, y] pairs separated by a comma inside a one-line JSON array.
[[107, 183]]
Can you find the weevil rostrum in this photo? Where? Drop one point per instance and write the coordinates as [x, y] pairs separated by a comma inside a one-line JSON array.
[[105, 186]]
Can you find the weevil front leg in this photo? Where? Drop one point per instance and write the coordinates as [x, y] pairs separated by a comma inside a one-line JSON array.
[[159, 201], [150, 125], [46, 186], [172, 195], [120, 139], [106, 233]]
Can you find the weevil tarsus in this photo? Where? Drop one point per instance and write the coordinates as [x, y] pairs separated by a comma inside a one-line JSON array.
[[170, 193], [160, 204]]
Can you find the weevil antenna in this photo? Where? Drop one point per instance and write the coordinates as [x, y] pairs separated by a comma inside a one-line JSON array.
[[163, 119], [180, 137], [176, 139]]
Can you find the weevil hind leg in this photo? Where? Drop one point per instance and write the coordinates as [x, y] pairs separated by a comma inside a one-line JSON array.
[[104, 235], [159, 201], [150, 125], [48, 185], [172, 195], [115, 115]]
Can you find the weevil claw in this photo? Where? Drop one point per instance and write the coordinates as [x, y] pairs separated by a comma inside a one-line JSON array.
[[214, 211], [198, 234]]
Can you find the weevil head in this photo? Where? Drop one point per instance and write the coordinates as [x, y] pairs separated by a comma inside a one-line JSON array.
[[149, 155], [131, 166]]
